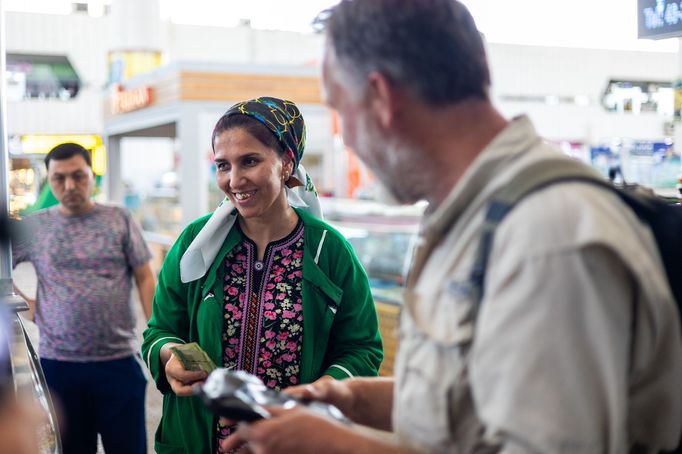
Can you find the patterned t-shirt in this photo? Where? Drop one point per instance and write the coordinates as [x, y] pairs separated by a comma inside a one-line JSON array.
[[84, 266]]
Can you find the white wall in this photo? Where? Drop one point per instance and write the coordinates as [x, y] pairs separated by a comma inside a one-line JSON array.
[[516, 71], [590, 124], [144, 160], [565, 72], [532, 70], [242, 45], [84, 41]]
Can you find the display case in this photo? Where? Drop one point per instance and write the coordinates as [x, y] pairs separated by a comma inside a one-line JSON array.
[[382, 237], [25, 176], [29, 380]]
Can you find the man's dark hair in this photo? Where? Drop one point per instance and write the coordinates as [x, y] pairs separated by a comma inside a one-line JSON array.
[[431, 47], [67, 151]]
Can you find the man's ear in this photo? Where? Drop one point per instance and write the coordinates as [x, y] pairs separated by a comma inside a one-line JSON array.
[[382, 99]]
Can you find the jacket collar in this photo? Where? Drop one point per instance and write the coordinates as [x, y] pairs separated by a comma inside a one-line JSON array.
[[311, 270], [479, 181]]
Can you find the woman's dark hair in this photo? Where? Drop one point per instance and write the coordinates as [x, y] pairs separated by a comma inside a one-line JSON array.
[[251, 126], [67, 151]]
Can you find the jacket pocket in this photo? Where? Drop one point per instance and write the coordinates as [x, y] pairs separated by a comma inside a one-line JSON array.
[[424, 384], [432, 389], [165, 448]]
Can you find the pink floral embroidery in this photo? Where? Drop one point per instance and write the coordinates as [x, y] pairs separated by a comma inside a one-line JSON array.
[[278, 349]]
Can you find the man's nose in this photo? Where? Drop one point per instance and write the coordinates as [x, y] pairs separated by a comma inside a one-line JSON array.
[[69, 183]]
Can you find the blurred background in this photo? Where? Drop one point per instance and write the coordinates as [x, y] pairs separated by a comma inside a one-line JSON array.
[[140, 83]]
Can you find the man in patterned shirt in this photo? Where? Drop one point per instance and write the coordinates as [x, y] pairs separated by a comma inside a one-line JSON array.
[[85, 254]]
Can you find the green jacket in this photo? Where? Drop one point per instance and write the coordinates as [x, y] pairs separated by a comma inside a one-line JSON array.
[[340, 328]]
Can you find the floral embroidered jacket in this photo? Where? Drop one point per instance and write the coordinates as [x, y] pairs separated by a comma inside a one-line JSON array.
[[340, 335]]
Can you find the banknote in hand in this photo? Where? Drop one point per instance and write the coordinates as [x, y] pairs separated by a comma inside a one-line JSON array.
[[192, 357]]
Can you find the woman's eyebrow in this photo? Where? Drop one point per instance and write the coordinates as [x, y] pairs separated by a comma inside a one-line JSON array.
[[242, 156]]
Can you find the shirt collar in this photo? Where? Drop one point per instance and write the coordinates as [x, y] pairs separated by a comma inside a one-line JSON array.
[[479, 180]]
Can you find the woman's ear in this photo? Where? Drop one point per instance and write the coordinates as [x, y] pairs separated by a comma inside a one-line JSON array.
[[287, 172], [287, 167]]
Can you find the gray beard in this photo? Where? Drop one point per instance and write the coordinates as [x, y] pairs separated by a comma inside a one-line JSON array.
[[384, 195], [410, 182]]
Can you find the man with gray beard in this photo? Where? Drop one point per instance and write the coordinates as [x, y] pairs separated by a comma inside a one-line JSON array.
[[86, 256], [572, 343]]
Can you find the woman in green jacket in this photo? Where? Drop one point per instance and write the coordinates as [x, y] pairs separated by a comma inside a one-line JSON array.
[[260, 285]]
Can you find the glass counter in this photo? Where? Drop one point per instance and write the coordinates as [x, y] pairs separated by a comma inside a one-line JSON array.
[[383, 238]]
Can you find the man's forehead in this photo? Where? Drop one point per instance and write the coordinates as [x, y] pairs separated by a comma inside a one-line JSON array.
[[71, 164], [329, 79]]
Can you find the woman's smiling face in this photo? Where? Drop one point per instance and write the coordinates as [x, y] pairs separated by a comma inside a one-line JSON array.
[[250, 173]]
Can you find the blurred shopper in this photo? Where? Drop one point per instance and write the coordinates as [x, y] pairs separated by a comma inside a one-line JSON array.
[[575, 346], [262, 284], [85, 255]]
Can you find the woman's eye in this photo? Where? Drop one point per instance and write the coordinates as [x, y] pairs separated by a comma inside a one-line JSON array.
[[250, 162], [223, 167]]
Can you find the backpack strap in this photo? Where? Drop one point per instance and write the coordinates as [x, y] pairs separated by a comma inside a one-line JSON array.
[[531, 179], [539, 176]]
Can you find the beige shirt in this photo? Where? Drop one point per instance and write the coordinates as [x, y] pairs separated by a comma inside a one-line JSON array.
[[547, 367]]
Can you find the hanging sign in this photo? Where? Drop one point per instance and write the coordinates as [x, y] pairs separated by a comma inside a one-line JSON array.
[[658, 19]]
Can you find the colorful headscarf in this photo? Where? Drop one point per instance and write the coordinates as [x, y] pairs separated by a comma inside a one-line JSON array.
[[286, 122], [281, 117]]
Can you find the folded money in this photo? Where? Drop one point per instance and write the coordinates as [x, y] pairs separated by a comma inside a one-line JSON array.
[[193, 357]]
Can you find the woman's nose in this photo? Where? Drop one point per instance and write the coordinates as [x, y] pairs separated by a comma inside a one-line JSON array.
[[236, 177]]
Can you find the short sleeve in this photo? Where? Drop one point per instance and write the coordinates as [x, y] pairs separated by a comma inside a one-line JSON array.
[[21, 237], [135, 248]]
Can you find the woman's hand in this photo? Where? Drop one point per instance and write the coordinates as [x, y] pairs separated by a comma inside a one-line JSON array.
[[181, 380]]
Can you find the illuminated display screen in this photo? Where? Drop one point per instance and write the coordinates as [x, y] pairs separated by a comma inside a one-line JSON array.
[[41, 76], [657, 19]]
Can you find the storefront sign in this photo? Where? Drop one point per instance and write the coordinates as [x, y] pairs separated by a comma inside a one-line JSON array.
[[657, 19], [123, 101], [42, 143]]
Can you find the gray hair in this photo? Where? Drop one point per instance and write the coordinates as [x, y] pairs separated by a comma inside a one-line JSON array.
[[430, 47]]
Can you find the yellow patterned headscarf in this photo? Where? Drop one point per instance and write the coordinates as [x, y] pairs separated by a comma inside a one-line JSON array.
[[286, 122], [281, 117]]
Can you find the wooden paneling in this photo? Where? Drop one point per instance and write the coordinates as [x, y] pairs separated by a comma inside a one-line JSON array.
[[166, 90], [207, 86], [389, 317], [213, 86]]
